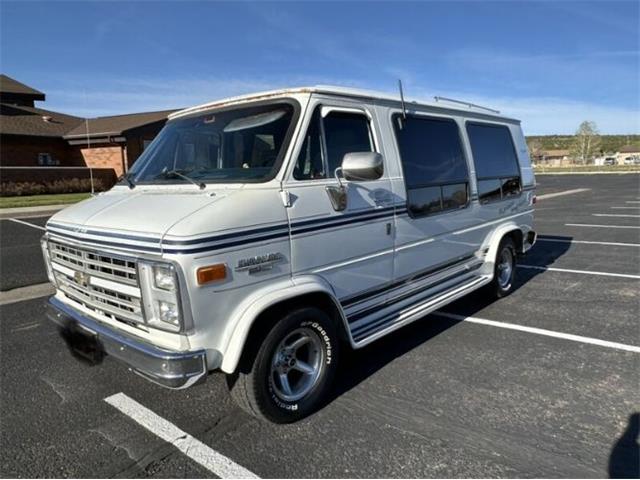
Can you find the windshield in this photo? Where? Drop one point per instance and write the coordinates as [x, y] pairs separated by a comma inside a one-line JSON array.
[[232, 146]]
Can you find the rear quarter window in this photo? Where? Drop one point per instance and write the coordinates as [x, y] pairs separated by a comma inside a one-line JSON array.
[[433, 164], [495, 159]]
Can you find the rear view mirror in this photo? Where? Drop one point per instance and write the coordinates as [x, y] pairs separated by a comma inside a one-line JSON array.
[[362, 166]]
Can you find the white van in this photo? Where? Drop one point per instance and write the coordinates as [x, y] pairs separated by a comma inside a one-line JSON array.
[[260, 235]]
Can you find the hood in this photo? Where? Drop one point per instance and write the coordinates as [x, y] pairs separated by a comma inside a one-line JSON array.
[[142, 220], [150, 212]]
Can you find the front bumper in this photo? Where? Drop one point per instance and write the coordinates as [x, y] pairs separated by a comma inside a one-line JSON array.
[[165, 367]]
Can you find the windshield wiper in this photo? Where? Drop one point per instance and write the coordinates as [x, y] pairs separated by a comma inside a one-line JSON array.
[[166, 173], [127, 178]]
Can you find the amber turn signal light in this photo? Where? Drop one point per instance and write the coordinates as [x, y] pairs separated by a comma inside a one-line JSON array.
[[211, 273]]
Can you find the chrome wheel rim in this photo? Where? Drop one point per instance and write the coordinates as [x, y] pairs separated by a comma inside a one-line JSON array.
[[297, 364], [505, 268]]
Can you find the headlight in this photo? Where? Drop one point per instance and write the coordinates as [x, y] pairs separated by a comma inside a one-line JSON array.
[[164, 277], [160, 295], [47, 260], [169, 313]]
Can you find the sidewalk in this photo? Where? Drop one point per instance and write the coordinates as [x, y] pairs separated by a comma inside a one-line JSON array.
[[23, 212]]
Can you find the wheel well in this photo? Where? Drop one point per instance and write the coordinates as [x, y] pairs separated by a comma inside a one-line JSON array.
[[263, 323], [518, 239]]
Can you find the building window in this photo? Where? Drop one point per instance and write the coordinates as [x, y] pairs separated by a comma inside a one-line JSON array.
[[45, 159], [496, 162], [433, 162], [328, 140]]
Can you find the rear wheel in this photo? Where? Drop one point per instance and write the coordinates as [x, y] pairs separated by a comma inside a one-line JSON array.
[[293, 369], [504, 269]]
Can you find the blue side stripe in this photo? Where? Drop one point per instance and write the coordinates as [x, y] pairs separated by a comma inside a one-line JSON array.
[[228, 244], [234, 239], [124, 236], [107, 244], [226, 236]]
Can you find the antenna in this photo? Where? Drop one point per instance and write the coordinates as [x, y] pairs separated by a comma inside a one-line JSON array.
[[404, 110], [86, 125], [468, 104]]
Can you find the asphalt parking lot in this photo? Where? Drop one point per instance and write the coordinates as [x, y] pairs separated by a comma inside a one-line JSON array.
[[543, 383]]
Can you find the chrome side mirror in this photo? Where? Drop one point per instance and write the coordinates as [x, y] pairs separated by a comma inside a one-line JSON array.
[[356, 167], [362, 166]]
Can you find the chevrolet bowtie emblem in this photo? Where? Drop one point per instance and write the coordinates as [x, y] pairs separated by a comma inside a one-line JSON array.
[[82, 278]]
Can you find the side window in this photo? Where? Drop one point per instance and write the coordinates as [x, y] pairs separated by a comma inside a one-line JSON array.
[[327, 141], [435, 170], [496, 163], [344, 133]]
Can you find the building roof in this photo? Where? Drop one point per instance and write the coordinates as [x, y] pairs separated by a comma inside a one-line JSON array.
[[116, 124], [630, 149], [24, 120], [555, 153], [9, 85], [438, 103]]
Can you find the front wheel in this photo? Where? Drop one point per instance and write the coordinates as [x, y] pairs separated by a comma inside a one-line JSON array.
[[504, 270], [293, 369]]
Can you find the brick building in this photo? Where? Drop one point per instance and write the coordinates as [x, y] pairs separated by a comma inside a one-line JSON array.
[[34, 137]]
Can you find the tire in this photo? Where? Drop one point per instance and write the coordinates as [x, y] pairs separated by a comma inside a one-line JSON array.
[[257, 386], [502, 283]]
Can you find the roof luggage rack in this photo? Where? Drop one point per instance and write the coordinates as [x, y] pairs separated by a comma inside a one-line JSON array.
[[462, 102]]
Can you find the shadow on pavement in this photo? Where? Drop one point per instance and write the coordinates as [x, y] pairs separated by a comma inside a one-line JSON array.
[[624, 461], [358, 365]]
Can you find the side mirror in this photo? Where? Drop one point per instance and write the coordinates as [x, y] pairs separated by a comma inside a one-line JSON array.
[[362, 166]]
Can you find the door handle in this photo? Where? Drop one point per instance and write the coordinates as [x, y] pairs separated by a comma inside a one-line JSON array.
[[388, 227]]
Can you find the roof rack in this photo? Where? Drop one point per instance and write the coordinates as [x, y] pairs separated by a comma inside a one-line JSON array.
[[468, 104]]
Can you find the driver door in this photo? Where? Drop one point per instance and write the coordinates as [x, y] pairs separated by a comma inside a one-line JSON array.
[[351, 249]]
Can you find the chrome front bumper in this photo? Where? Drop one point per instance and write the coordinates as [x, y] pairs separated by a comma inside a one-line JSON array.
[[165, 367]]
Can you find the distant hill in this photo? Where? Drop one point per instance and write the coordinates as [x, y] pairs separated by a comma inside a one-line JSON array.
[[608, 143]]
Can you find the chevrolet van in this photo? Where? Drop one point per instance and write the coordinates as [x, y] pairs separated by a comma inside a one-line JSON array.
[[261, 235]]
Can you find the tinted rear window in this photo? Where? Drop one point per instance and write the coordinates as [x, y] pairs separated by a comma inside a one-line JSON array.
[[493, 151], [431, 152]]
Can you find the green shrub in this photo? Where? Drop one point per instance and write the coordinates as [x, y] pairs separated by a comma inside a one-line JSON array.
[[67, 185]]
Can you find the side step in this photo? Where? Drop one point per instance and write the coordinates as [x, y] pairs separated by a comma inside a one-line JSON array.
[[366, 333]]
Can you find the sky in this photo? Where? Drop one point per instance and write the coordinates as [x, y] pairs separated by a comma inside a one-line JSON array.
[[551, 64]]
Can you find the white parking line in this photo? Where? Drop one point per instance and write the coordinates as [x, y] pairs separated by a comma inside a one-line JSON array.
[[560, 194], [584, 272], [599, 226], [613, 244], [625, 208], [213, 461], [542, 331], [26, 293], [25, 223], [614, 215], [632, 201]]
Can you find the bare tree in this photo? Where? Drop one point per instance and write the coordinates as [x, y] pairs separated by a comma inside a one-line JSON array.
[[535, 149], [587, 142]]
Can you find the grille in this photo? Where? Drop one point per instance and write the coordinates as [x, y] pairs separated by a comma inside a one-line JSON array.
[[79, 273], [111, 268]]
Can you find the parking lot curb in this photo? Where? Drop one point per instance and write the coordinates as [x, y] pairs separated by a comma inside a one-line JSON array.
[[38, 211]]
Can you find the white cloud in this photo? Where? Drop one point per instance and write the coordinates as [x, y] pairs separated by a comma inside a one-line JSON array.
[[539, 115]]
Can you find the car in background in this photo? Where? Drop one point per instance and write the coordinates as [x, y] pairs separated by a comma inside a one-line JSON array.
[[632, 160], [610, 161]]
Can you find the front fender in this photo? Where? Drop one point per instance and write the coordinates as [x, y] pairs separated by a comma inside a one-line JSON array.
[[246, 313]]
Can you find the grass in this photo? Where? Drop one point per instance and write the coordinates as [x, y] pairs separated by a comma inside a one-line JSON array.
[[588, 169], [39, 200]]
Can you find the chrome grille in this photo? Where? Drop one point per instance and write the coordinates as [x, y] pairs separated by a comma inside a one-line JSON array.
[[100, 265], [98, 281]]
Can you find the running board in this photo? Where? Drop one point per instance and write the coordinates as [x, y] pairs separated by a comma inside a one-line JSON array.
[[367, 333]]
